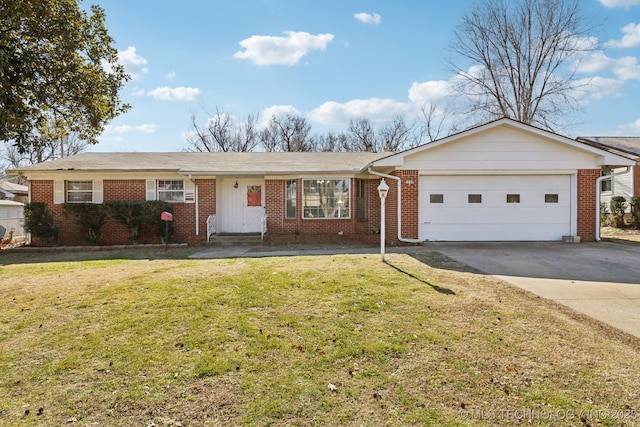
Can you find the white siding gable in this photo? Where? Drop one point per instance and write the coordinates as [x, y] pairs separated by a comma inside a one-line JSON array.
[[501, 148]]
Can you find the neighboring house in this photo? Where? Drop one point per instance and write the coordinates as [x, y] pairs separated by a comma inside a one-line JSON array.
[[11, 217], [500, 181], [619, 182], [12, 191]]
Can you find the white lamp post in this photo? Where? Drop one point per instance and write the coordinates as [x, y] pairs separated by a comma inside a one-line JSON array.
[[383, 189]]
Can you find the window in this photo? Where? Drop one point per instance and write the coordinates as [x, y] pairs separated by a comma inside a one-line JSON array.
[[171, 190], [361, 198], [474, 198], [291, 198], [606, 185], [325, 198], [513, 198], [551, 198], [436, 198], [79, 191]]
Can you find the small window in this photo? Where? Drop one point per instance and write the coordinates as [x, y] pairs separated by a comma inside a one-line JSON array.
[[551, 198], [291, 198], [171, 190], [79, 191], [474, 198], [513, 198], [436, 198], [361, 198], [606, 185]]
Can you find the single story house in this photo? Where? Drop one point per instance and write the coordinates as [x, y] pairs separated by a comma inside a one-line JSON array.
[[13, 191], [618, 181], [503, 180]]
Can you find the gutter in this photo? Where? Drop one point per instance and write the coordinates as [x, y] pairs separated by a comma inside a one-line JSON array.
[[598, 194], [399, 203]]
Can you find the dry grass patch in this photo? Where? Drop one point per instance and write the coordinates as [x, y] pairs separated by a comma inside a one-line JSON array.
[[331, 340]]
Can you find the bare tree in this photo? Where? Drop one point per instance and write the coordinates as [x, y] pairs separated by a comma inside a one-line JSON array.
[[222, 134], [331, 142], [395, 135], [362, 135], [288, 132], [518, 50], [42, 149], [436, 121]]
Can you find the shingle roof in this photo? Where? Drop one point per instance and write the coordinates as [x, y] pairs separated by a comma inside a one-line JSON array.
[[212, 163], [619, 145]]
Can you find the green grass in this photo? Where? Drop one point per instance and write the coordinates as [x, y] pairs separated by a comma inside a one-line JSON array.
[[128, 339]]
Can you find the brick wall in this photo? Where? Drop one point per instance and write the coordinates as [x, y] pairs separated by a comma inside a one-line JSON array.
[[587, 204], [636, 180], [206, 205], [278, 225]]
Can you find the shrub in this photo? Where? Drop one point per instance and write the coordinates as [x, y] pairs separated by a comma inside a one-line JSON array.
[[90, 217], [634, 203], [605, 215], [137, 215], [618, 206], [38, 220]]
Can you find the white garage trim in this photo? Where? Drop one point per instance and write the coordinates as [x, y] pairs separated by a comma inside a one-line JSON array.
[[496, 207]]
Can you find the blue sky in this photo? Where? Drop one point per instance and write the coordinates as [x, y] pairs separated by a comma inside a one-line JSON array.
[[329, 61]]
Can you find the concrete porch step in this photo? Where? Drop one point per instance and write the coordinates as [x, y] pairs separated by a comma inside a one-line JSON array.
[[235, 239]]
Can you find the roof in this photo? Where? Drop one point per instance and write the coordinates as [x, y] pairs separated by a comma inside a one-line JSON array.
[[628, 146], [245, 163], [14, 188]]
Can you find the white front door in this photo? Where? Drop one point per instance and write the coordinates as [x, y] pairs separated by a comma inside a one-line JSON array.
[[509, 207], [240, 205]]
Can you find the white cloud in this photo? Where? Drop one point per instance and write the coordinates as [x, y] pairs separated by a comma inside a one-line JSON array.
[[631, 37], [598, 87], [275, 110], [186, 94], [619, 3], [631, 129], [171, 75], [625, 68], [133, 63], [271, 50], [368, 18], [122, 129], [138, 92], [426, 92], [375, 109]]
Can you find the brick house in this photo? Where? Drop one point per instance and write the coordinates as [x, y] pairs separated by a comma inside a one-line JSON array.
[[500, 181]]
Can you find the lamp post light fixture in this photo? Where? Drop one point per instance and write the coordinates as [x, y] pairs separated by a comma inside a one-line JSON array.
[[383, 190]]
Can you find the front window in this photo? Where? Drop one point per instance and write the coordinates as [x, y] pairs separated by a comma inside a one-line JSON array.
[[171, 190], [606, 184], [326, 198], [79, 191], [291, 199], [361, 198]]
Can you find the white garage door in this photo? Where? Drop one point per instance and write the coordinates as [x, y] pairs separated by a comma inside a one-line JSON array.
[[499, 208]]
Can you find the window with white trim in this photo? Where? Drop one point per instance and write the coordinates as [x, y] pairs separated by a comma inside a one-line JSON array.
[[326, 198], [606, 185], [79, 191], [290, 207], [171, 190]]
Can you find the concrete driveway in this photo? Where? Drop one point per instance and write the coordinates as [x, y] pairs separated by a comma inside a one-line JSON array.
[[601, 280]]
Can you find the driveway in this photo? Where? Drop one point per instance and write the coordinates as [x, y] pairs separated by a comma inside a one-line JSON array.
[[601, 280]]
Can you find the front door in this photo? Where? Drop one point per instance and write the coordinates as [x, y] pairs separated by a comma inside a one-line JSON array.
[[240, 205]]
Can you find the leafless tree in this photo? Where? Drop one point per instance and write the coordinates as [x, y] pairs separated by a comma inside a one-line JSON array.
[[42, 149], [518, 52], [363, 135], [222, 134], [395, 135], [288, 132], [331, 142], [437, 121]]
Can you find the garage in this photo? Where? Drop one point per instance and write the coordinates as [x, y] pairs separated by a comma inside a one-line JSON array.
[[496, 207]]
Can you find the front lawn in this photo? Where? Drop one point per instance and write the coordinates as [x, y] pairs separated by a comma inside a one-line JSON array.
[[325, 340]]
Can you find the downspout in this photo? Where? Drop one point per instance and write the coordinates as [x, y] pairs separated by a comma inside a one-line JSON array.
[[599, 192], [399, 203]]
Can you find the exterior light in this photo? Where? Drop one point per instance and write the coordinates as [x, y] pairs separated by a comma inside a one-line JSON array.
[[383, 190]]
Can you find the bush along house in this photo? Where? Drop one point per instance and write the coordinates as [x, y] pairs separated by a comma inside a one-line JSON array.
[[500, 181]]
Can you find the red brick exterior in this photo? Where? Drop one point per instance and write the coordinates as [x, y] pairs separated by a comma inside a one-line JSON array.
[[281, 228], [636, 180], [587, 204]]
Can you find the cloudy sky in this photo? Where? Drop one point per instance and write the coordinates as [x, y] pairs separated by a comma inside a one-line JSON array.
[[329, 61]]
